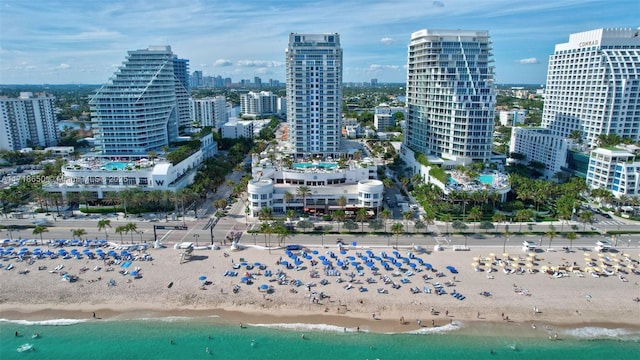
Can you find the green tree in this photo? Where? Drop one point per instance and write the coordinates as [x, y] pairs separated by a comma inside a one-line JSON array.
[[303, 191], [39, 230], [121, 230], [362, 216], [551, 234], [586, 217], [131, 228], [571, 236], [475, 214], [339, 216], [397, 229], [79, 233], [385, 215], [103, 224]]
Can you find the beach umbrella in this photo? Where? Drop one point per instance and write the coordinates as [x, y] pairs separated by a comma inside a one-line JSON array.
[[325, 262], [369, 263], [339, 263], [529, 265], [202, 278], [308, 257], [257, 263], [284, 262], [413, 265], [322, 257], [244, 279], [264, 287], [351, 257], [427, 266], [298, 262], [343, 252]]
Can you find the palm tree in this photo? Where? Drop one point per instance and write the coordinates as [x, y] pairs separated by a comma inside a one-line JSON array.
[[111, 198], [303, 191], [339, 216], [419, 225], [38, 230], [290, 214], [79, 233], [385, 215], [571, 236], [86, 197], [287, 197], [131, 228], [406, 216], [522, 216], [498, 217], [362, 216], [586, 217], [475, 214], [447, 219], [103, 224], [551, 234], [120, 230], [397, 229], [342, 202]]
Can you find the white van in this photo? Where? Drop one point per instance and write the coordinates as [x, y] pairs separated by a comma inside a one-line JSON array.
[[528, 245], [603, 245]]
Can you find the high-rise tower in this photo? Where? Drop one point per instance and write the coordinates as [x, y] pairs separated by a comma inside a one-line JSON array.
[[314, 94], [450, 94], [593, 86], [142, 106], [28, 121]]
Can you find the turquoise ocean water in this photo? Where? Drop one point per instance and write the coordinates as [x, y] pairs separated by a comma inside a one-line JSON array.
[[151, 339]]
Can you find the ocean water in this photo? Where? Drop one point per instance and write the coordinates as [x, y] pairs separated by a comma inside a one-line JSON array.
[[151, 339]]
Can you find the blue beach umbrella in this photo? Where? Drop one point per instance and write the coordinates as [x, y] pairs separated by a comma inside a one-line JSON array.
[[325, 262], [315, 252], [428, 266], [202, 278], [413, 265], [264, 287], [343, 252]]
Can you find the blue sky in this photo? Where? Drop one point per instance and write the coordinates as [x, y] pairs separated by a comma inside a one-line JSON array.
[[73, 41]]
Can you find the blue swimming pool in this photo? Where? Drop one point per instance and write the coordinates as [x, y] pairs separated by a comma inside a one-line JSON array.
[[118, 165], [486, 179], [322, 165]]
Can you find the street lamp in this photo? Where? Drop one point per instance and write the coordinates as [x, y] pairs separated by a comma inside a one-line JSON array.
[[211, 233], [141, 232], [254, 238], [196, 236]]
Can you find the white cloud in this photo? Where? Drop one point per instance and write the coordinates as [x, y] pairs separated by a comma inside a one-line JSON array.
[[222, 62], [387, 40], [528, 61], [377, 67], [64, 66], [259, 63]]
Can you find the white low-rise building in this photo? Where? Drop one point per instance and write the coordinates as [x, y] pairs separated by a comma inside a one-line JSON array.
[[327, 182], [235, 129], [99, 174], [614, 169]]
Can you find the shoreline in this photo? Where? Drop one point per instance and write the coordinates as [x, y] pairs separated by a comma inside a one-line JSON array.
[[38, 314]]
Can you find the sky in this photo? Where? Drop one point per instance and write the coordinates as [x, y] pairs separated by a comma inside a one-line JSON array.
[[84, 41]]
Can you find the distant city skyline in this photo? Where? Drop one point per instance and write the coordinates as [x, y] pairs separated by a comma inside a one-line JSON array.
[[62, 42]]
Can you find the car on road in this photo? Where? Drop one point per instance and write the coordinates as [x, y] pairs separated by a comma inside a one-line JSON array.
[[606, 215], [603, 245], [529, 245]]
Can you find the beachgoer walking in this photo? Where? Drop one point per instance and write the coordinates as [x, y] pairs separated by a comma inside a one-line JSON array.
[[433, 323], [402, 320], [478, 315], [419, 322], [446, 313], [94, 315]]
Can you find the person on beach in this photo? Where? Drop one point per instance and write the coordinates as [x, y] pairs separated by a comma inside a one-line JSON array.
[[419, 322], [94, 315], [433, 323]]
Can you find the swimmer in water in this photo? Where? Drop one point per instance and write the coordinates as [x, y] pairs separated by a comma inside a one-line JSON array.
[[207, 350], [253, 342], [302, 337]]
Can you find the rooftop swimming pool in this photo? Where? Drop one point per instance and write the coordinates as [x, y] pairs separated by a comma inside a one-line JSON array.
[[321, 165], [118, 165], [485, 179]]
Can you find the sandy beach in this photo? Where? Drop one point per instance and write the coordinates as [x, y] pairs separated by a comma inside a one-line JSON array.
[[526, 294]]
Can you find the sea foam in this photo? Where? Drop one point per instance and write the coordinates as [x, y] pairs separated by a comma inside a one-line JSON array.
[[310, 327], [53, 322], [594, 333]]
